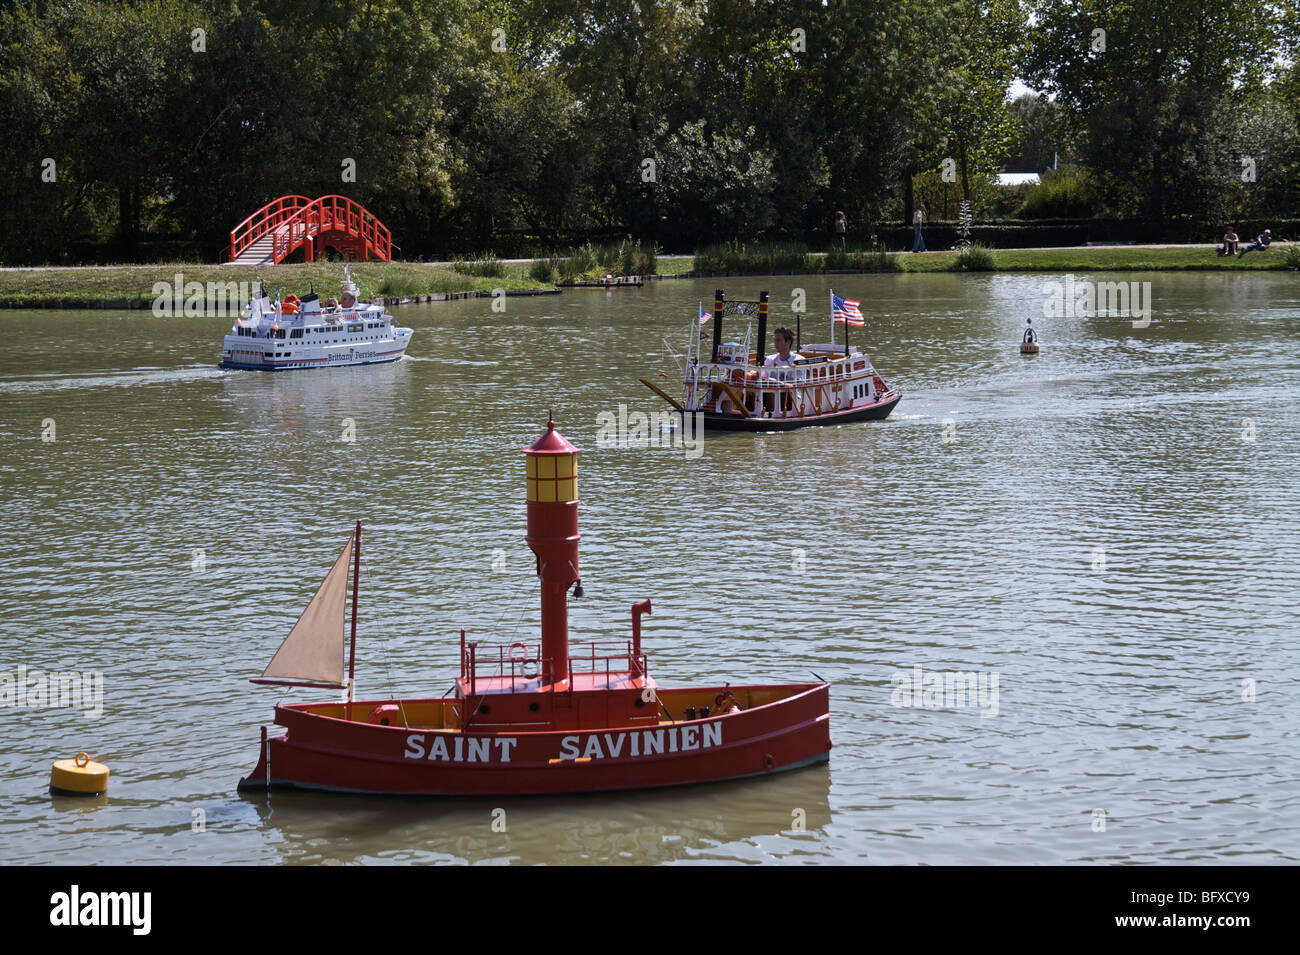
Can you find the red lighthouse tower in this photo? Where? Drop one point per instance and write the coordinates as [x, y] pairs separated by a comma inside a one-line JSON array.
[[553, 537], [544, 685]]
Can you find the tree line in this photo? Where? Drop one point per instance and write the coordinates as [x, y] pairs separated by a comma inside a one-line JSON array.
[[149, 129]]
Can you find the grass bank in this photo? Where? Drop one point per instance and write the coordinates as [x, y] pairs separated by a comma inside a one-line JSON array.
[[132, 286], [774, 259], [1113, 258]]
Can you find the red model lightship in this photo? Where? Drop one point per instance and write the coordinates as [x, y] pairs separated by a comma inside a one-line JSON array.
[[528, 719]]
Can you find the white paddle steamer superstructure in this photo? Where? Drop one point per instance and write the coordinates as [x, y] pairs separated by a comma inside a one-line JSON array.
[[732, 389], [296, 334]]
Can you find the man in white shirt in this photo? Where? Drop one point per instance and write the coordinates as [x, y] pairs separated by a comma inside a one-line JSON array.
[[783, 339]]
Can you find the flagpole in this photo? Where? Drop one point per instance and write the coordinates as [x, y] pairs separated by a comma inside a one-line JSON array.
[[846, 332], [832, 320], [695, 332]]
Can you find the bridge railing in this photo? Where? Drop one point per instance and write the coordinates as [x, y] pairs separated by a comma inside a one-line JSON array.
[[292, 220], [271, 216], [333, 214]]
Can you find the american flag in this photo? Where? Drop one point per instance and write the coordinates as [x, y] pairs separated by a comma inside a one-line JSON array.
[[704, 316], [846, 310]]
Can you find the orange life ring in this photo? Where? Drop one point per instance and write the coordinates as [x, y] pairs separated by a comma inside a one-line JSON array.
[[519, 659]]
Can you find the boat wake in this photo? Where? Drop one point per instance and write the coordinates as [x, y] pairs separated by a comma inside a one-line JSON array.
[[119, 379]]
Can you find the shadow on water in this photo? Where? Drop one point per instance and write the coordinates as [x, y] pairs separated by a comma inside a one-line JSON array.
[[642, 827]]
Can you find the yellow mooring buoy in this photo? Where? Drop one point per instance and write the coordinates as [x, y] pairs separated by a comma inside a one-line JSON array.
[[78, 777]]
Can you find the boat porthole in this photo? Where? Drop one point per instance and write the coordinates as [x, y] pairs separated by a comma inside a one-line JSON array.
[[638, 703], [533, 707], [484, 709], [384, 721]]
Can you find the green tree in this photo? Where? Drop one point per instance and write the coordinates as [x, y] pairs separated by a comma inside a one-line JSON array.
[[984, 53], [1148, 83]]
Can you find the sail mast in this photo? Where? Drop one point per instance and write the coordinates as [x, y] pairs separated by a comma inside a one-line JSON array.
[[352, 651]]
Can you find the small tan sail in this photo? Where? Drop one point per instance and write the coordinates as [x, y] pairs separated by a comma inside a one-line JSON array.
[[313, 650]]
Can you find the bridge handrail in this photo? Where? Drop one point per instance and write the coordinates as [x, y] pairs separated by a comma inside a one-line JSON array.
[[265, 219], [291, 219], [339, 212]]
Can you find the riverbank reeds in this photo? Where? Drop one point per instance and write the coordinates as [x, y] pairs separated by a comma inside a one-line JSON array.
[[484, 266], [870, 260], [754, 258], [974, 258], [586, 262]]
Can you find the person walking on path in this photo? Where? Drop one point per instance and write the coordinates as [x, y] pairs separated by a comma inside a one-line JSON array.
[[841, 228], [918, 245]]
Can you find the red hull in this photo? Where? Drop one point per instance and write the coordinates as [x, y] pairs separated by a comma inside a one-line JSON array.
[[327, 753]]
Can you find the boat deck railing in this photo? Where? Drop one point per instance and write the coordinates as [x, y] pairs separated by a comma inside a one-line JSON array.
[[779, 377], [522, 664]]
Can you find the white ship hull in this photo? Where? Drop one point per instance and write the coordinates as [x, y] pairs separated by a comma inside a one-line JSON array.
[[297, 335], [270, 355]]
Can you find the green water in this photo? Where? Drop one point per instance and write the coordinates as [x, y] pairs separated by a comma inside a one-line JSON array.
[[1111, 528]]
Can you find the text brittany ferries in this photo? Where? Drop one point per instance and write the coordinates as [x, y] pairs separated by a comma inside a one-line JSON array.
[[309, 333]]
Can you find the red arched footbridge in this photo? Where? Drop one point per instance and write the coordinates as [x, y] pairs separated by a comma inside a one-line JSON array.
[[281, 227]]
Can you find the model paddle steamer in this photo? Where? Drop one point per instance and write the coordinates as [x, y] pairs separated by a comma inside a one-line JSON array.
[[527, 718], [733, 389], [306, 333]]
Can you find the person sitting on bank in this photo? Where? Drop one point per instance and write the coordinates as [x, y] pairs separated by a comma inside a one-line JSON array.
[[1262, 241], [1230, 241]]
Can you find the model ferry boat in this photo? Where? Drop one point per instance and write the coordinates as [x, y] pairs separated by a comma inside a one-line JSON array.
[[306, 333], [734, 390], [527, 719]]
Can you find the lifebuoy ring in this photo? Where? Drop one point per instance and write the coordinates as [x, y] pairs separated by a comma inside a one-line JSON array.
[[518, 659]]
